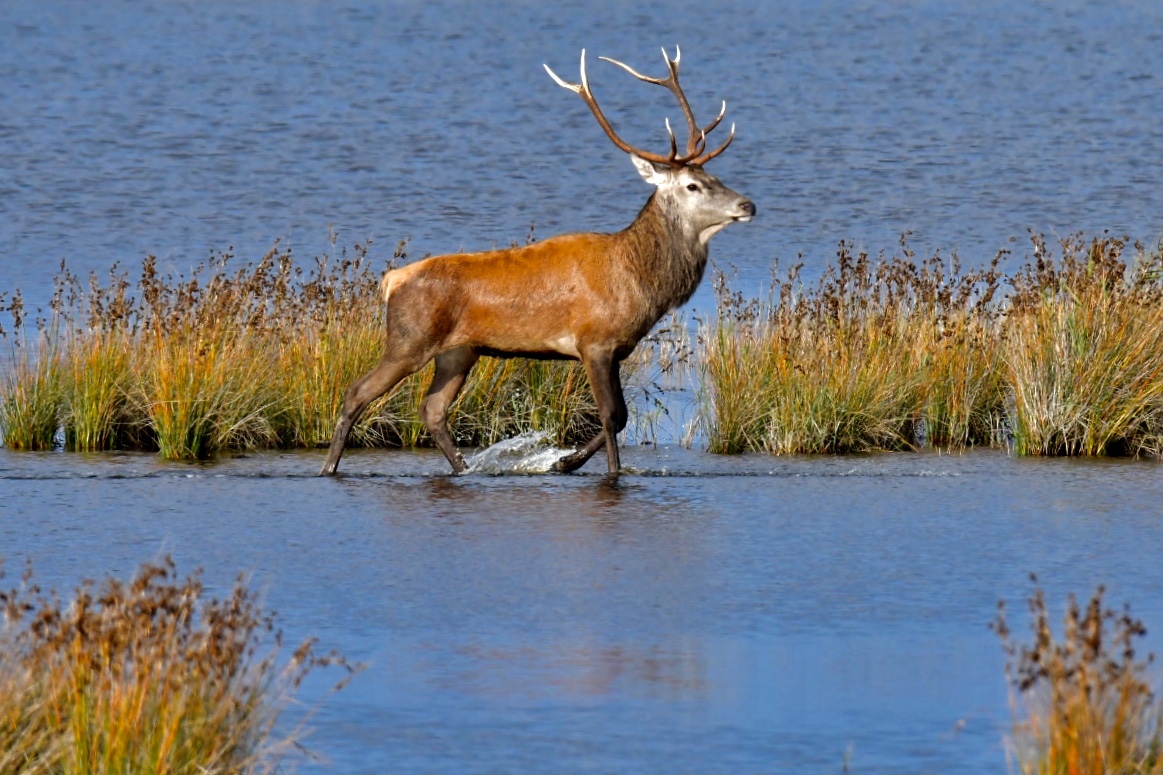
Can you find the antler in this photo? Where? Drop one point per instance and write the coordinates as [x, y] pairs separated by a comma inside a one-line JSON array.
[[697, 139]]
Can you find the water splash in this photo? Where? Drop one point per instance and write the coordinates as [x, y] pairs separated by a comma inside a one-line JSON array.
[[528, 453]]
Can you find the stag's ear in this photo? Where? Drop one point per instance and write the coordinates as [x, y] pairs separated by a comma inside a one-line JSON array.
[[651, 172]]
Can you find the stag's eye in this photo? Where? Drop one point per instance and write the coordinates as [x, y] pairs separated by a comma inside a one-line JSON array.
[[692, 187]]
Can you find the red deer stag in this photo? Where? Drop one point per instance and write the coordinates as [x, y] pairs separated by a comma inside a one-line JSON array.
[[588, 297]]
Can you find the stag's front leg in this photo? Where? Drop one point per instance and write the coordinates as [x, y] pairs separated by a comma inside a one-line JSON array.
[[602, 370], [452, 368]]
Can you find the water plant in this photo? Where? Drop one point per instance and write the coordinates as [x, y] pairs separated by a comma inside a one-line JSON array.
[[30, 388], [1064, 357], [1084, 351], [146, 676], [878, 354], [31, 401], [1081, 699]]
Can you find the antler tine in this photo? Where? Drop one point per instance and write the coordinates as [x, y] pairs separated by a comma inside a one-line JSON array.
[[671, 83], [583, 90], [718, 118], [573, 87], [701, 160], [634, 72], [673, 144], [697, 139]]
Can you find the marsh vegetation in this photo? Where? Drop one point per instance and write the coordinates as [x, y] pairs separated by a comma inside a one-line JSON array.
[[1063, 357], [153, 675], [258, 356], [890, 352], [1081, 698]]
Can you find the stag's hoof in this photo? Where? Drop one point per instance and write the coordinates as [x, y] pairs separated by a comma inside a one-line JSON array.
[[570, 462]]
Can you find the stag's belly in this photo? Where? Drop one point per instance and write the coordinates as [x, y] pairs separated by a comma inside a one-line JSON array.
[[562, 347], [539, 355]]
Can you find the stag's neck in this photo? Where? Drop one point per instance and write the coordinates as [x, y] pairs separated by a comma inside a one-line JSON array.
[[666, 256]]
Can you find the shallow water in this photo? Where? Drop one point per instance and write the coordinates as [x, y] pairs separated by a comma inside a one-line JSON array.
[[176, 128], [704, 614]]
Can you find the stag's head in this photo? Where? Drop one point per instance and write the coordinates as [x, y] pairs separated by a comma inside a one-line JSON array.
[[688, 192]]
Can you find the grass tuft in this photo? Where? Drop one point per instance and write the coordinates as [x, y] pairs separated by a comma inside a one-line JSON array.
[[896, 353], [1081, 700], [1084, 352], [883, 354], [31, 397], [145, 676]]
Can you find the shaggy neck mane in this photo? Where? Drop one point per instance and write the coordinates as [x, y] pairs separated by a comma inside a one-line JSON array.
[[665, 255]]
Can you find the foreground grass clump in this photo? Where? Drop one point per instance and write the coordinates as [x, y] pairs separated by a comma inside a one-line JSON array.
[[149, 676], [236, 359], [1065, 357], [1082, 702]]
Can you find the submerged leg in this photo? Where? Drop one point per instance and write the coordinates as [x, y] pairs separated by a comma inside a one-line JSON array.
[[452, 368], [385, 376], [602, 370]]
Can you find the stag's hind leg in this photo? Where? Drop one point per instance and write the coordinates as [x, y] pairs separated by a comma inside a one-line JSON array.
[[385, 376], [452, 368], [602, 370]]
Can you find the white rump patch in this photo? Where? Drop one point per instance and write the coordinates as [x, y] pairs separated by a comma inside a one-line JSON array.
[[386, 286]]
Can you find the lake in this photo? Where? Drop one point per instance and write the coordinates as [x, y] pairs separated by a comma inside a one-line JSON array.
[[703, 613]]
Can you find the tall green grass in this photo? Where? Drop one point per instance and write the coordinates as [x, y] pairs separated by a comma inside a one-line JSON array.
[[146, 676]]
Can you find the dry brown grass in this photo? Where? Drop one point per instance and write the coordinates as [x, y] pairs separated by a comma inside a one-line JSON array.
[[879, 354], [1082, 703], [148, 676], [258, 356], [1063, 358]]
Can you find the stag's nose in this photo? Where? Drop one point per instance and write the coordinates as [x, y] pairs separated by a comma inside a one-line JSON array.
[[748, 207]]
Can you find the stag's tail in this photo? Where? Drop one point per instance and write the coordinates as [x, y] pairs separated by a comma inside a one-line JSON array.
[[386, 285]]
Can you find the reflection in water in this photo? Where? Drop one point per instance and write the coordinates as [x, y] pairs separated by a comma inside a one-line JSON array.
[[597, 500], [575, 670]]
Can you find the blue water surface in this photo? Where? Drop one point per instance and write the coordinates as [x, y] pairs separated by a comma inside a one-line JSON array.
[[703, 614]]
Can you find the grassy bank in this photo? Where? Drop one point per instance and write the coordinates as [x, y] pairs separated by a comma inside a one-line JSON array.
[[149, 676], [258, 356], [1063, 357]]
